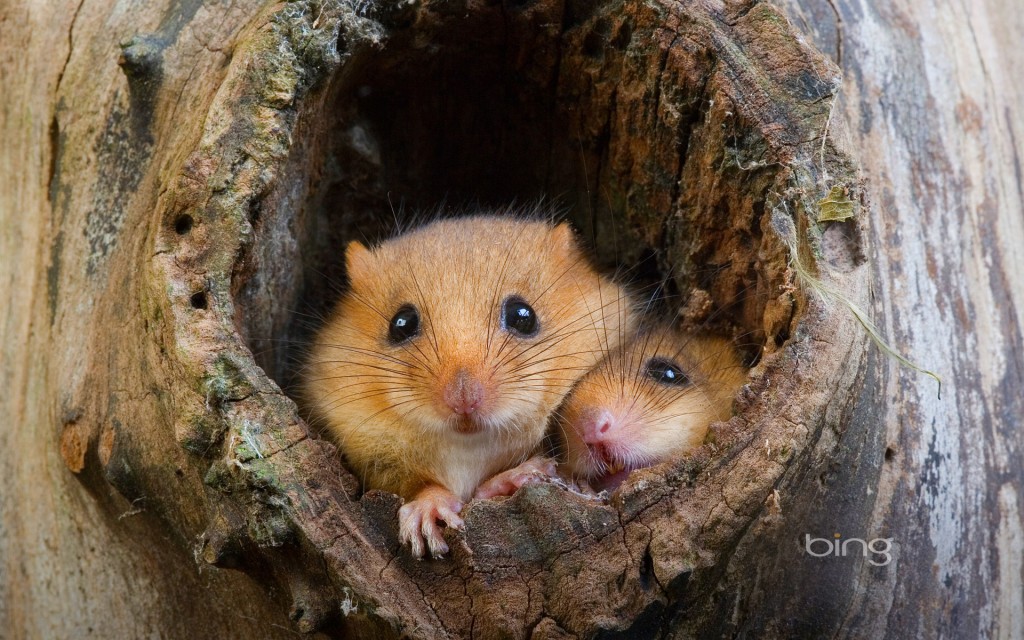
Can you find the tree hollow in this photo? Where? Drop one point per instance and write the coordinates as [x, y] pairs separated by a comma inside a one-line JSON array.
[[688, 143]]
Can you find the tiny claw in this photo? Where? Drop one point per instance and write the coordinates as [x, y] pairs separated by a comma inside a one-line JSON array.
[[434, 537], [451, 516], [418, 521], [409, 519]]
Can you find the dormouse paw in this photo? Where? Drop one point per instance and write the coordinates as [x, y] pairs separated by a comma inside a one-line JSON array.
[[506, 483], [417, 521]]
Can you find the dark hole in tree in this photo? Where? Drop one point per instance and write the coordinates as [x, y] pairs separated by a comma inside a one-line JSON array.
[[198, 300], [478, 111], [183, 224]]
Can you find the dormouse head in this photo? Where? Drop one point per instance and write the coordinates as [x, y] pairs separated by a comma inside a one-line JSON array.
[[465, 326], [648, 402]]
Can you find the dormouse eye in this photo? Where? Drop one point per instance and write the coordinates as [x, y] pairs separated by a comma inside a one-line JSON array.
[[519, 317], [664, 371], [405, 324]]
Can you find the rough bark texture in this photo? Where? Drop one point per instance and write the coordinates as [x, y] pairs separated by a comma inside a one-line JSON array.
[[173, 206], [934, 107]]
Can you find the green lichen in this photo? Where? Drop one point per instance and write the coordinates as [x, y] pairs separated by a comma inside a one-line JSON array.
[[226, 381], [836, 206], [263, 475]]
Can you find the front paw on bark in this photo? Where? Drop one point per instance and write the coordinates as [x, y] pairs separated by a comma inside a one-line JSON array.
[[418, 521], [508, 482]]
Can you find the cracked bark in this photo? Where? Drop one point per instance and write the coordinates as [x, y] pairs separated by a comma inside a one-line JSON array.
[[161, 480]]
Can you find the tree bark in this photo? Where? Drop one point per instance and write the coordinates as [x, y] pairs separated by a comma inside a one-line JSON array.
[[935, 114], [79, 170], [177, 181]]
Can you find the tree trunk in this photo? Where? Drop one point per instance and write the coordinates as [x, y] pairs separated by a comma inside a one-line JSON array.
[[177, 181]]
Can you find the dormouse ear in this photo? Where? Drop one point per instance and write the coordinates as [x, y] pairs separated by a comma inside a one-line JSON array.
[[564, 239], [357, 261]]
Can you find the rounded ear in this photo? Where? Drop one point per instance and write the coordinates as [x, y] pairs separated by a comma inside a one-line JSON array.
[[564, 239], [357, 261]]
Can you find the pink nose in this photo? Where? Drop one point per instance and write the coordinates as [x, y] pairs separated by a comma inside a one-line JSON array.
[[598, 425], [464, 394]]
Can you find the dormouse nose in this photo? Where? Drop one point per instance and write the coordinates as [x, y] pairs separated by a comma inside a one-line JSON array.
[[464, 393], [597, 425]]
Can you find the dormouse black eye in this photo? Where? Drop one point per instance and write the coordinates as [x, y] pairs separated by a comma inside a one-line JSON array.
[[664, 371], [519, 317], [405, 324]]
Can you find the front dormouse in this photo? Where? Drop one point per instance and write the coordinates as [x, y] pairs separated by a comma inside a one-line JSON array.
[[453, 345]]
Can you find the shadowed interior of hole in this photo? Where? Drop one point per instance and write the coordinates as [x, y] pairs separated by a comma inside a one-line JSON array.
[[467, 128], [477, 119]]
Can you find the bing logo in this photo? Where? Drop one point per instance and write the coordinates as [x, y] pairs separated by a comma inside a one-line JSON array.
[[838, 548]]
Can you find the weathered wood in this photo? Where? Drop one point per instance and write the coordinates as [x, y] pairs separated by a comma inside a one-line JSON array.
[[934, 107], [81, 166], [170, 208]]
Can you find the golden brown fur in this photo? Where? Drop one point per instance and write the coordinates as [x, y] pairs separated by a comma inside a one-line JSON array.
[[618, 418], [385, 403]]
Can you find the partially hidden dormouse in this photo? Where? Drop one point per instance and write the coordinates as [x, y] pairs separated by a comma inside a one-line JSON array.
[[651, 400]]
